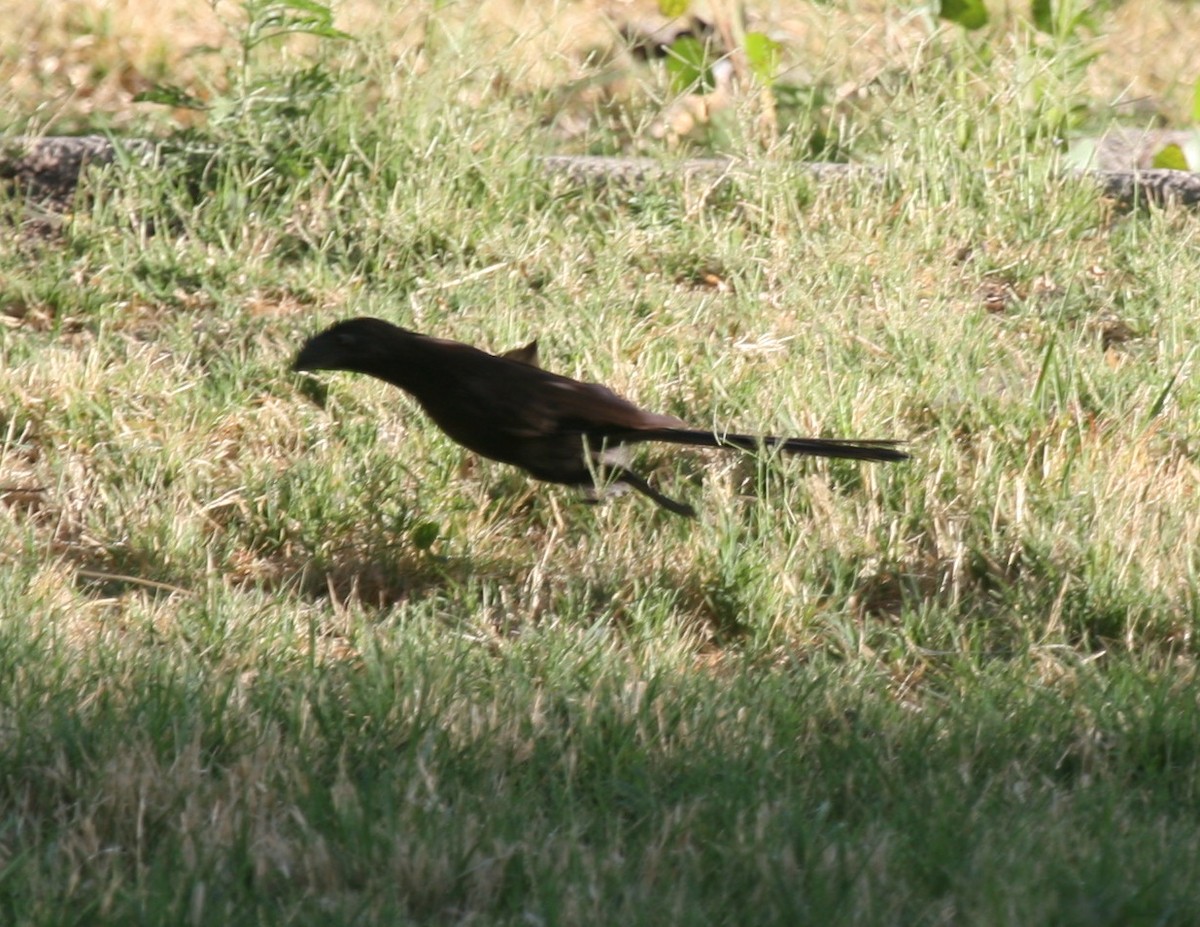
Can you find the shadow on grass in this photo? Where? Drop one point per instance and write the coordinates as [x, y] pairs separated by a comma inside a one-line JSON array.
[[375, 580], [387, 580]]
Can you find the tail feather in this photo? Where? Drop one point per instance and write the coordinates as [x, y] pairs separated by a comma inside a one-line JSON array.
[[814, 447]]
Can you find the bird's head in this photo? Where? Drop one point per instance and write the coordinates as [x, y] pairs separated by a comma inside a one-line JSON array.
[[355, 344]]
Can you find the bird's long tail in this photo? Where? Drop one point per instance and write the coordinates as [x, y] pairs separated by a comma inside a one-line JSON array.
[[814, 447]]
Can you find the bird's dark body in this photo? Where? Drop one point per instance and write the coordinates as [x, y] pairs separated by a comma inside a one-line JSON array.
[[506, 408]]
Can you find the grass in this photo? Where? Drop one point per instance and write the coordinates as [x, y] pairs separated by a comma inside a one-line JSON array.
[[275, 651]]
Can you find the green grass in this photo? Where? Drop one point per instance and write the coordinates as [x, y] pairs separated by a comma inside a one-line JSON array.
[[273, 650]]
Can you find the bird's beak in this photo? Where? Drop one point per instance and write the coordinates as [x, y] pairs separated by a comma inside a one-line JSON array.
[[315, 355]]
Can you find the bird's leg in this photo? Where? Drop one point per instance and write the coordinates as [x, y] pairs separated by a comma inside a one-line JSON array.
[[609, 465], [629, 478]]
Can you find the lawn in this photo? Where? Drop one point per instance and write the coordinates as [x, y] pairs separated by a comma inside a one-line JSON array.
[[274, 650]]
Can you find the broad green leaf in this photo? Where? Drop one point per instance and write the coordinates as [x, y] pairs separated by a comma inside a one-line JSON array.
[[673, 8], [762, 54], [689, 65], [970, 14], [1043, 15], [1170, 157], [425, 534], [285, 17]]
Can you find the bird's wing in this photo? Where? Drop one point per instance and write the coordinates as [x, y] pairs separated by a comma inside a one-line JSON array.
[[507, 410], [525, 355], [589, 408]]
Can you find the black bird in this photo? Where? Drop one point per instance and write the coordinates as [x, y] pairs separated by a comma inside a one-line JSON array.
[[507, 408]]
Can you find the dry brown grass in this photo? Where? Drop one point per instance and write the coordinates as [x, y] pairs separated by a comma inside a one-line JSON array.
[[80, 62]]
